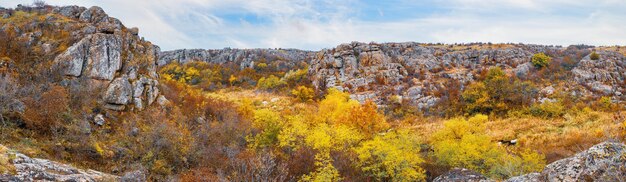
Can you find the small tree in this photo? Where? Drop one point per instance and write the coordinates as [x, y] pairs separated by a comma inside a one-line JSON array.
[[303, 93], [594, 56], [541, 60]]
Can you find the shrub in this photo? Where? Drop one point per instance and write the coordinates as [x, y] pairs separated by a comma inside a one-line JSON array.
[[541, 60], [303, 93], [391, 157], [548, 109], [45, 114], [269, 123], [463, 143], [270, 83], [594, 56]]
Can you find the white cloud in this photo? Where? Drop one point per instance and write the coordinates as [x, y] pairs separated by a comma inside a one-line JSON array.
[[316, 24]]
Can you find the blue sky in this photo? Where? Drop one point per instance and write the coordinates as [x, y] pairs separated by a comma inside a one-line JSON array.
[[317, 24]]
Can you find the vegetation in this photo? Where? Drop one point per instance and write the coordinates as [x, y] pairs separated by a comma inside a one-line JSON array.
[[594, 56], [224, 123], [541, 60]]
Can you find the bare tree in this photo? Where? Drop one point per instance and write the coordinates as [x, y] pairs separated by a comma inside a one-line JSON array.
[[39, 3]]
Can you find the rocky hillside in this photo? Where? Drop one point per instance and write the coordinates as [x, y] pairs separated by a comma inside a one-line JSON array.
[[285, 59], [419, 72], [602, 162], [94, 51]]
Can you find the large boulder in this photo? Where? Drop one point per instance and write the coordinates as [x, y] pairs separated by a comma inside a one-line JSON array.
[[602, 162]]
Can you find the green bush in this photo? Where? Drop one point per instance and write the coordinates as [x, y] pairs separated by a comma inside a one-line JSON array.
[[594, 56], [541, 60], [270, 83], [548, 109]]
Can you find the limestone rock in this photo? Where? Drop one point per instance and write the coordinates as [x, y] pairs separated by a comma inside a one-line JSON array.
[[462, 175], [532, 177], [94, 14], [99, 120], [105, 56], [602, 162], [119, 92], [34, 169]]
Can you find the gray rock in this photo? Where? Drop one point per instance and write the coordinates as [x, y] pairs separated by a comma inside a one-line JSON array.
[[119, 92], [462, 175], [94, 14], [74, 58], [532, 177], [162, 101], [104, 56], [134, 176], [99, 120], [70, 11], [602, 162], [34, 169]]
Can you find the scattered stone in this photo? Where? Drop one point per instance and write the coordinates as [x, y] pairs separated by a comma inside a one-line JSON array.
[[99, 120]]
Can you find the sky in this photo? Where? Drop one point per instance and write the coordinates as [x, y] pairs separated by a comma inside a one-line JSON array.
[[318, 24]]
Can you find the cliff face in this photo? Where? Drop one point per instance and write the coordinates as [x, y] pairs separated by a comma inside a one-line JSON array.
[[417, 72], [243, 58], [92, 50]]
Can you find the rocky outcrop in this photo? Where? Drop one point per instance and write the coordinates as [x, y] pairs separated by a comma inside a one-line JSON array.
[[418, 73], [602, 162], [462, 175], [244, 58], [410, 70], [34, 169], [605, 76], [111, 54]]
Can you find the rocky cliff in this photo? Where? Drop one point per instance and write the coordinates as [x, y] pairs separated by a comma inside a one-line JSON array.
[[418, 72], [91, 49], [243, 58]]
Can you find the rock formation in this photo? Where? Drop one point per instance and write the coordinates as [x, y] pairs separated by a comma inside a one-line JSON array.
[[112, 55], [25, 168], [244, 58], [417, 72]]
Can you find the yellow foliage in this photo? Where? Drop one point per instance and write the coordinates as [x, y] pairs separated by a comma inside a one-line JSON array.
[[392, 157], [270, 124], [464, 143], [6, 167], [303, 93]]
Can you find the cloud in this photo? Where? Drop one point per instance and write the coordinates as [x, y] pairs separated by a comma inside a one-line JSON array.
[[317, 24]]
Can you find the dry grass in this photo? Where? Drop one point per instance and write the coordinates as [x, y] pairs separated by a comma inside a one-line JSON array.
[[6, 167]]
